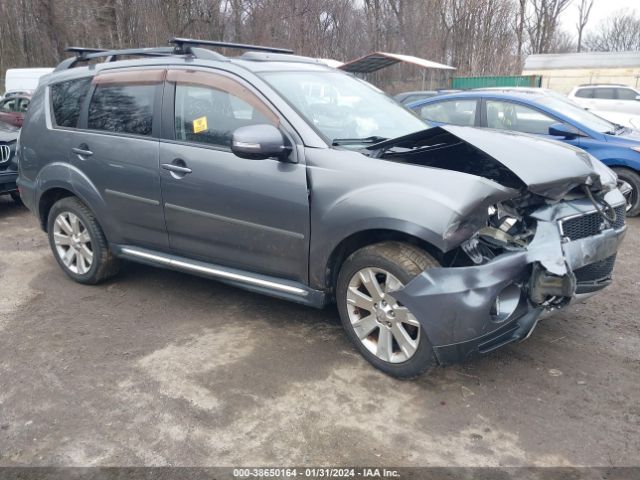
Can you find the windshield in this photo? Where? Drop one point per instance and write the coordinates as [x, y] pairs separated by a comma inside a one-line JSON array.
[[342, 107], [577, 114]]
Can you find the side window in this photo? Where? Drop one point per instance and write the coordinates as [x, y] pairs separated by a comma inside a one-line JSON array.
[[66, 99], [604, 93], [517, 118], [454, 112], [626, 94], [584, 93], [8, 106], [209, 107], [122, 108]]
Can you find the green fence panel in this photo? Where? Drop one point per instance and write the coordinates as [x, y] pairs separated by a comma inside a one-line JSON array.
[[464, 83]]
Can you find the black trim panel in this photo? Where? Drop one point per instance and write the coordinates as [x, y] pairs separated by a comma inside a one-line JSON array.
[[234, 221], [128, 196]]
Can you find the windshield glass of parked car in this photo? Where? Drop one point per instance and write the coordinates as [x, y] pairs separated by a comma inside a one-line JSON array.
[[341, 106], [577, 114]]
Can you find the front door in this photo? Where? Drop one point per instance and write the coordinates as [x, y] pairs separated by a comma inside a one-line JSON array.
[[248, 214]]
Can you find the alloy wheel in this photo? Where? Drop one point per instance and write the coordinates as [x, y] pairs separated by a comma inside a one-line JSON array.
[[73, 243], [384, 326]]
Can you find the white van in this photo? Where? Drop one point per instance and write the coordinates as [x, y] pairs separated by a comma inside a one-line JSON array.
[[23, 79]]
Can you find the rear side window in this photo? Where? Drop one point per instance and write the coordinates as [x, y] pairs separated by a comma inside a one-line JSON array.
[[604, 93], [67, 97], [122, 108], [585, 93], [454, 112]]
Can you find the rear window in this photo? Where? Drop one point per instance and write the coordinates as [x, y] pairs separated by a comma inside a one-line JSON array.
[[122, 108], [585, 93], [67, 97]]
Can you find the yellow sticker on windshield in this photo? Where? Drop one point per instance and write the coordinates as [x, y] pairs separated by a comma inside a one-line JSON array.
[[200, 124]]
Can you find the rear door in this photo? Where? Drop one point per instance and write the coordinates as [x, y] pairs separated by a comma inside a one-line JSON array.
[[117, 147], [248, 214], [604, 98]]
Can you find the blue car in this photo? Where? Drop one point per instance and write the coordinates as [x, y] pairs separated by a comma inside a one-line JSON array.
[[540, 113]]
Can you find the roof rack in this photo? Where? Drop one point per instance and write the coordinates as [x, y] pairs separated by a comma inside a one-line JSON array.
[[182, 46], [181, 42], [82, 51], [88, 54]]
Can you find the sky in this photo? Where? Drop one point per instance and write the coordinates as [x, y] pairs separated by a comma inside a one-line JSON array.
[[601, 9]]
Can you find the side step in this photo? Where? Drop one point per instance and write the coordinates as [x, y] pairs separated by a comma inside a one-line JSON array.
[[273, 286]]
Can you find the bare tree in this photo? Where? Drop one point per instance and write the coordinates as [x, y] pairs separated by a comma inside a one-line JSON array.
[[618, 33], [584, 9], [544, 22]]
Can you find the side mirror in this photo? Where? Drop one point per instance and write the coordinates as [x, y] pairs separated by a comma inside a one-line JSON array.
[[564, 130], [259, 142]]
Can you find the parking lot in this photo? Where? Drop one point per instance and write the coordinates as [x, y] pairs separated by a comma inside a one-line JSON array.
[[161, 368]]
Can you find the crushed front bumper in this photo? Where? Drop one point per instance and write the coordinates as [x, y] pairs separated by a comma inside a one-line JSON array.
[[470, 310]]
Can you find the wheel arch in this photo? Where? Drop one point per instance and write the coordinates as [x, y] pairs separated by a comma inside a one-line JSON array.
[[364, 238], [59, 180], [48, 198]]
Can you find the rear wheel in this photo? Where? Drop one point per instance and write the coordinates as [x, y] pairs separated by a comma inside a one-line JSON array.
[[385, 332], [633, 199], [78, 243]]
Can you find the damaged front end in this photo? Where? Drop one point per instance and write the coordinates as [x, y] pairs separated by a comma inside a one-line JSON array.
[[554, 241]]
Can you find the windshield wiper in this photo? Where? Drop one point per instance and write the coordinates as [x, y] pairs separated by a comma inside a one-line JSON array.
[[357, 141], [618, 129]]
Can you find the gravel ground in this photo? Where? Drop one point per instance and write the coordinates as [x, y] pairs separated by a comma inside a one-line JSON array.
[[161, 368]]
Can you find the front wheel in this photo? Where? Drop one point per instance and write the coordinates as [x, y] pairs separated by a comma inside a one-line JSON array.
[[385, 332], [633, 199]]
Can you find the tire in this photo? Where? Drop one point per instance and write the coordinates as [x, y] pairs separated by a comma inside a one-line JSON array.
[[633, 179], [77, 236], [15, 196], [388, 262]]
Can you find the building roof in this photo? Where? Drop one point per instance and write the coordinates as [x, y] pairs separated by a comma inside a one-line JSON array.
[[563, 61], [377, 60]]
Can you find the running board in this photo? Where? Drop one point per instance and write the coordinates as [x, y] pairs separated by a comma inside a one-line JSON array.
[[273, 286]]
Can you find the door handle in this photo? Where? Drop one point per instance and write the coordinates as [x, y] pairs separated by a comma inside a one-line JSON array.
[[176, 168], [82, 150]]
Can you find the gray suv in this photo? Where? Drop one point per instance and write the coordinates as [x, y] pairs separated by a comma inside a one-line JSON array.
[[283, 176]]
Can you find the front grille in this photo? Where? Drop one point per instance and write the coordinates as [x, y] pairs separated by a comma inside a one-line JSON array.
[[5, 153], [596, 271], [590, 224]]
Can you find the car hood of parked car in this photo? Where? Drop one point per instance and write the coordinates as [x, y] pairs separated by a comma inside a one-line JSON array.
[[8, 133], [545, 167]]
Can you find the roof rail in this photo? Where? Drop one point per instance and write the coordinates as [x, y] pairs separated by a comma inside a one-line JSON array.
[[181, 42], [82, 51], [87, 54]]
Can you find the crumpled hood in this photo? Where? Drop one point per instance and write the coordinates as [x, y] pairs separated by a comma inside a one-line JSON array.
[[546, 167]]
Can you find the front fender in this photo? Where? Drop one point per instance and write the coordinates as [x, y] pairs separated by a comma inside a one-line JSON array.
[[441, 207]]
